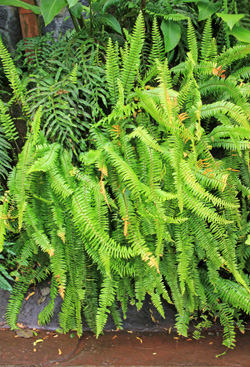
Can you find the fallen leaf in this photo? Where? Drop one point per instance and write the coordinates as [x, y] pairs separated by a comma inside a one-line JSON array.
[[29, 295], [210, 343], [37, 341], [153, 319], [154, 354], [20, 325], [169, 330], [114, 337], [189, 340], [139, 339], [176, 337], [59, 351], [25, 333], [34, 350], [130, 332]]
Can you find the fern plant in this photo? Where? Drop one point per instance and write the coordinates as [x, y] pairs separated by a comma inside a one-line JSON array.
[[175, 157], [158, 203], [66, 78]]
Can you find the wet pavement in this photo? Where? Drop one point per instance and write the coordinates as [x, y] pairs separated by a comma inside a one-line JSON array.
[[147, 340], [120, 349]]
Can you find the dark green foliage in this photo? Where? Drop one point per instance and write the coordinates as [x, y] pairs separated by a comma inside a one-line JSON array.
[[67, 79]]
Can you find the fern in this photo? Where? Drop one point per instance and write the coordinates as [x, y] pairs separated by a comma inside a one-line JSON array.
[[157, 51], [156, 204], [132, 61]]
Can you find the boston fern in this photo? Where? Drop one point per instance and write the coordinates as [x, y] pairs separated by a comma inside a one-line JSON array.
[[158, 205]]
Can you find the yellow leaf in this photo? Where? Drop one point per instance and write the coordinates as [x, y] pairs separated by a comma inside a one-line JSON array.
[[104, 170], [61, 234], [37, 341]]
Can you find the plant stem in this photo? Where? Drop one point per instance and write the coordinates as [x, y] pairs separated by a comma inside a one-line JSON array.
[[143, 6], [74, 20], [90, 16]]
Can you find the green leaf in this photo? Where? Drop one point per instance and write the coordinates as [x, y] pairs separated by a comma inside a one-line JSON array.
[[207, 8], [50, 8], [72, 3], [4, 284], [21, 4], [76, 10], [107, 4], [230, 19], [110, 20], [96, 7], [172, 34], [242, 34], [90, 157]]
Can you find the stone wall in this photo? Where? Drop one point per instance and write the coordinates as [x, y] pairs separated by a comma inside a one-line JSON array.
[[10, 28]]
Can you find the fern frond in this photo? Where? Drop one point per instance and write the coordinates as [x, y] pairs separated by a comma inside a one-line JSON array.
[[38, 235], [227, 321], [45, 315], [5, 159], [233, 110], [184, 249], [58, 183], [145, 137], [126, 172], [192, 42], [112, 70], [226, 58], [157, 50], [13, 77], [132, 60], [106, 299], [7, 123], [206, 42], [3, 216], [98, 238], [45, 162], [21, 183]]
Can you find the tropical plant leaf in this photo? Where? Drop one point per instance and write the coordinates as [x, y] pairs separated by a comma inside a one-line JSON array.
[[230, 19], [207, 8], [171, 33], [109, 20], [72, 3], [241, 33], [50, 8], [21, 4]]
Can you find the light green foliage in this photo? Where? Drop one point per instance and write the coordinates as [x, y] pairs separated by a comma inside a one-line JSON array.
[[154, 207]]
